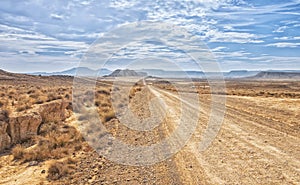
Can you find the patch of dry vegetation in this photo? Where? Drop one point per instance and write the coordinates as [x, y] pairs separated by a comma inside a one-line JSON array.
[[59, 169], [54, 142], [20, 97], [264, 89]]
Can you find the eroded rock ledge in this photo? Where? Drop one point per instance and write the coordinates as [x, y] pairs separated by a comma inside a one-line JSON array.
[[21, 126]]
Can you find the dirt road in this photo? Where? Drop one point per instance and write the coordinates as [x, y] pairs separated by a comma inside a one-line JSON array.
[[251, 148]]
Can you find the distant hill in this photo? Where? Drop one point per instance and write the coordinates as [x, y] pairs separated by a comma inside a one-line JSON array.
[[4, 75], [172, 74], [277, 75], [240, 74], [198, 74], [126, 73], [82, 71]]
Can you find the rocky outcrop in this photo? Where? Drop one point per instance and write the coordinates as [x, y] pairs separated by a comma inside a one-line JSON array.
[[4, 137], [54, 111], [277, 75], [21, 126], [5, 140], [126, 73]]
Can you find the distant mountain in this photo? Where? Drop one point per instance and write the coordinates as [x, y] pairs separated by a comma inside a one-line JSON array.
[[288, 71], [277, 75], [173, 74], [240, 74], [126, 73], [82, 71], [198, 74]]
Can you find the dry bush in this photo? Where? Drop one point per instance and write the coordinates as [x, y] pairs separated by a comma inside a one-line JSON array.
[[23, 107], [103, 91], [107, 116], [55, 143], [18, 152], [12, 92], [67, 96], [40, 100], [60, 169], [51, 97], [2, 95], [4, 115], [134, 90], [31, 91]]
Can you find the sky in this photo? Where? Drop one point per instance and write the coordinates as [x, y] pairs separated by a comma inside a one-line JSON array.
[[42, 35]]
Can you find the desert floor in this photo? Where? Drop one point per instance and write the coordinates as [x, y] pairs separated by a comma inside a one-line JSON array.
[[258, 141]]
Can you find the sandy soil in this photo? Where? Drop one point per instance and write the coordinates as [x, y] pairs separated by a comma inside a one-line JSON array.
[[258, 143]]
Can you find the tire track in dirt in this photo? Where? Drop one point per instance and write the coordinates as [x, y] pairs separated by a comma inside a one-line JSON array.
[[250, 139], [199, 173]]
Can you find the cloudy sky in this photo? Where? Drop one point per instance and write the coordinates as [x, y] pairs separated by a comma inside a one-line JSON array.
[[42, 35]]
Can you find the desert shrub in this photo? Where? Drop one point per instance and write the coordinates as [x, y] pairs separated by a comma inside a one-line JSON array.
[[103, 91], [97, 103], [59, 169], [109, 116], [52, 96], [18, 152], [23, 107], [4, 115], [39, 101], [67, 96], [12, 92], [55, 142], [34, 96], [133, 91], [31, 91]]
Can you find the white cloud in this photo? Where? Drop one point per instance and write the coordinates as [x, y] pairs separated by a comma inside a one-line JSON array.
[[85, 3], [287, 38], [218, 49], [284, 45], [280, 29], [56, 16], [282, 38], [23, 42], [234, 37], [215, 4], [121, 4], [233, 54]]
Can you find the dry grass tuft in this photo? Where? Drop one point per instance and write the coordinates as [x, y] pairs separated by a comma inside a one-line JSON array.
[[4, 115], [109, 116], [58, 142], [18, 152], [59, 169]]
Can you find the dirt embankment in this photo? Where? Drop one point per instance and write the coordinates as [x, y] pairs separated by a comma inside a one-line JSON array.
[[21, 126]]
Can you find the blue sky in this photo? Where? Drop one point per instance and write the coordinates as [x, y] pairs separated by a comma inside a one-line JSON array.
[[42, 35]]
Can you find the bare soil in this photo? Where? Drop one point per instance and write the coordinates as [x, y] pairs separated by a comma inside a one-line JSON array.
[[258, 142]]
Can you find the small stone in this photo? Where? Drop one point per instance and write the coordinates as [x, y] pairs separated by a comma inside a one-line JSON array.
[[43, 171]]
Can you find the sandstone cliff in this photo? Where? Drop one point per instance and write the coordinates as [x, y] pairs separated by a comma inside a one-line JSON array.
[[21, 126]]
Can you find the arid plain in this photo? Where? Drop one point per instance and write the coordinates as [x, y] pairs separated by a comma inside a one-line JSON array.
[[258, 142]]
